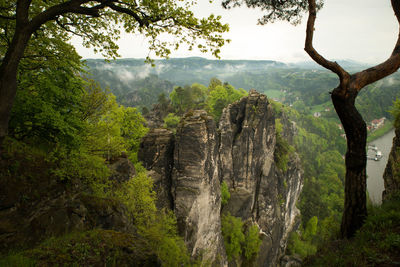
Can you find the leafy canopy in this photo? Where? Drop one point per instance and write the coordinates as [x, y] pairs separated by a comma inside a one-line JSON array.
[[99, 23], [285, 10]]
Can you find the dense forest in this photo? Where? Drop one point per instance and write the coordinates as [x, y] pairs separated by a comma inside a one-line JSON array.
[[73, 135], [72, 129], [78, 187], [304, 87]]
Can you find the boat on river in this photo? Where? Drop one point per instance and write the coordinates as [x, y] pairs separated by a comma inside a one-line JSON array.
[[378, 154]]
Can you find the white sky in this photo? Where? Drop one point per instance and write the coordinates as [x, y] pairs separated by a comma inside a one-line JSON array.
[[361, 30]]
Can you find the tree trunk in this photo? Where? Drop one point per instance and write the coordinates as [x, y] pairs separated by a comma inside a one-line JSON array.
[[8, 78], [355, 208]]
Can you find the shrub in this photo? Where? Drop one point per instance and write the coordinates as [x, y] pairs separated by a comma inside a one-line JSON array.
[[233, 235], [252, 242], [225, 195]]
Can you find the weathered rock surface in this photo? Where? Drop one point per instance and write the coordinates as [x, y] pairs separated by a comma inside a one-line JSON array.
[[391, 176], [122, 169], [157, 154], [196, 187], [241, 153], [61, 214], [260, 192], [35, 206]]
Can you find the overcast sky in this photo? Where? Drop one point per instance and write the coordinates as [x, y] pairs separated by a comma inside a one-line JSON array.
[[361, 30]]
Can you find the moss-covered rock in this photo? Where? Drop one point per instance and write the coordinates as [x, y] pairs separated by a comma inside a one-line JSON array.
[[91, 248]]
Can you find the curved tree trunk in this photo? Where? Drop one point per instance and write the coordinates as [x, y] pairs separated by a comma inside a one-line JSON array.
[[355, 208], [8, 78]]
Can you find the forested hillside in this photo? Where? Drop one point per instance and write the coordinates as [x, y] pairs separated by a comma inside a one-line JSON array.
[[306, 87]]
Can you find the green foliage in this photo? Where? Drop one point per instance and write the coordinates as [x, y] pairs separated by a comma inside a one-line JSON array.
[[225, 195], [138, 195], [171, 121], [92, 248], [149, 18], [395, 111], [233, 235], [132, 130], [300, 247], [221, 96], [46, 106], [157, 227], [283, 150], [252, 242], [303, 243], [290, 11], [162, 235], [17, 260], [239, 241], [311, 228], [214, 98], [188, 97], [320, 147], [79, 165], [376, 244]]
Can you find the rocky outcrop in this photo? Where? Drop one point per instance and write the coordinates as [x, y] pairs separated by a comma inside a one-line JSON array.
[[35, 206], [196, 187], [241, 152], [260, 191], [157, 154], [58, 215], [391, 176], [122, 169]]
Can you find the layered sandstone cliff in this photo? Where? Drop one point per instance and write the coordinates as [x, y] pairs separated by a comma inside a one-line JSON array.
[[240, 151]]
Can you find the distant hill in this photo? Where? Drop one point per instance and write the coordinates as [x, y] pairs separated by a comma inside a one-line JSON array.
[[305, 85]]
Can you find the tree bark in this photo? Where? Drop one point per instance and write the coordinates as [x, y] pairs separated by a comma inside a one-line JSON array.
[[343, 99], [8, 78], [355, 208]]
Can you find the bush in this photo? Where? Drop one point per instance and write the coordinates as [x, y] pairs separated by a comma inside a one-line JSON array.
[[157, 227], [239, 242], [225, 195], [252, 242], [233, 235]]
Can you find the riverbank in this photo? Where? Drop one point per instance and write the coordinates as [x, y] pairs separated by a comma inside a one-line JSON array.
[[375, 169], [387, 127]]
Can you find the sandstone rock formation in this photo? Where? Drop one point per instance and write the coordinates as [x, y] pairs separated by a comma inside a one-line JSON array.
[[260, 191], [157, 154], [241, 153], [196, 187], [391, 176]]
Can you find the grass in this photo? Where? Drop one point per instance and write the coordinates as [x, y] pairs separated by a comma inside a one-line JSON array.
[[377, 243], [380, 132]]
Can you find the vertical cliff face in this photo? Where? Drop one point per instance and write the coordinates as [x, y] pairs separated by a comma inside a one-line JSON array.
[[157, 155], [196, 187], [391, 176], [241, 153], [260, 192]]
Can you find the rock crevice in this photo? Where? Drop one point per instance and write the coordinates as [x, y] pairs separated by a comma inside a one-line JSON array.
[[241, 153]]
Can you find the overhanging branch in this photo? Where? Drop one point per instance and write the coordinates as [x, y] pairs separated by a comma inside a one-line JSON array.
[[391, 65], [318, 58]]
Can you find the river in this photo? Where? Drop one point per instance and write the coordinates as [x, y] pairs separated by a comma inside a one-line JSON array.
[[375, 169]]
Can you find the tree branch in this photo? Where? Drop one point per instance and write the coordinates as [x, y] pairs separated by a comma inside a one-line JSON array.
[[332, 66], [22, 11], [142, 22], [72, 6], [391, 65], [7, 17]]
